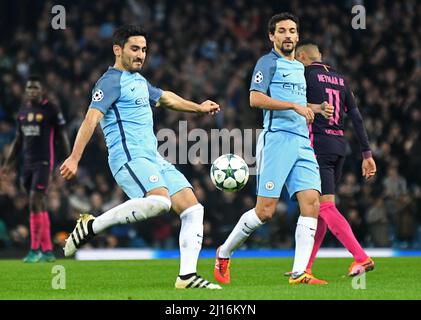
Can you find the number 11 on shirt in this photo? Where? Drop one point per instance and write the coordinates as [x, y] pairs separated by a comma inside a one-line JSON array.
[[336, 104]]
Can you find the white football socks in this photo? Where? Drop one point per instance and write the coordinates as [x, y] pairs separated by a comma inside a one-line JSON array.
[[132, 211], [248, 222], [191, 237], [304, 242]]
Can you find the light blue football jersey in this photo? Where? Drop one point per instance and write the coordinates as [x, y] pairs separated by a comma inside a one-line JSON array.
[[284, 80], [125, 98]]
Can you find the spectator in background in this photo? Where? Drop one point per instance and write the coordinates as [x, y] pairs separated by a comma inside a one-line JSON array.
[[378, 224], [406, 226], [79, 199], [348, 193], [357, 224], [394, 184], [97, 203], [57, 206], [395, 189]]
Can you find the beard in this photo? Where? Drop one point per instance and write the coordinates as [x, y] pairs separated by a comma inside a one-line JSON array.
[[137, 69], [287, 51], [129, 65]]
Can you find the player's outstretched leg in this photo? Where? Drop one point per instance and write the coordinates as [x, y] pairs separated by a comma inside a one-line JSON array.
[[341, 229], [190, 240], [248, 222], [81, 234], [130, 211]]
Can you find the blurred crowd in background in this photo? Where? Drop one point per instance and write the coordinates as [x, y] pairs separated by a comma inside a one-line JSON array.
[[207, 50]]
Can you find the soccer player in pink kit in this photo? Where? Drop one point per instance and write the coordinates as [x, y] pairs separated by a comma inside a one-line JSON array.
[[327, 136]]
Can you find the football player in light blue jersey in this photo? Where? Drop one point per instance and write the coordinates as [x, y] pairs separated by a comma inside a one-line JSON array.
[[284, 153], [121, 102]]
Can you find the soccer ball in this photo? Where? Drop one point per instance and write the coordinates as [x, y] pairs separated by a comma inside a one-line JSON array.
[[229, 173]]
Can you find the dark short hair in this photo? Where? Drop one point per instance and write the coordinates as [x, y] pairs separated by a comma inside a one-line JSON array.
[[280, 17], [123, 33], [306, 42], [35, 78]]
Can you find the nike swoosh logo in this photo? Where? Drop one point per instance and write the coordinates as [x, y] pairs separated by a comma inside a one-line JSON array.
[[247, 233], [286, 75], [132, 89], [245, 224], [133, 214]]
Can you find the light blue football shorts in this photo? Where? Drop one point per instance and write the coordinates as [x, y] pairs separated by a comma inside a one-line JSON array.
[[141, 175], [285, 158]]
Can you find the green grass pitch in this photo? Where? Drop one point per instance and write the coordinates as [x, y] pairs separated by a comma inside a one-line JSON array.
[[252, 279]]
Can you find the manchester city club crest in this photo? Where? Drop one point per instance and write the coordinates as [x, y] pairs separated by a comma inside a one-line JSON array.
[[153, 179], [269, 185]]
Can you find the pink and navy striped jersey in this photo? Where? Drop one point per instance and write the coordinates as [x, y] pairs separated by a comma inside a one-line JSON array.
[[37, 125], [325, 84]]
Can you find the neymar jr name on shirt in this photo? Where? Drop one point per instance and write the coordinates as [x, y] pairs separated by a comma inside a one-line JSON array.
[[331, 79]]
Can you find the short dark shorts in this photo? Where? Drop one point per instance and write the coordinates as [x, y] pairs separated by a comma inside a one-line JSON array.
[[36, 177], [330, 171]]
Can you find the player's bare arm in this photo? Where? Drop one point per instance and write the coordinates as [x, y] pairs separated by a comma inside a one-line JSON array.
[[261, 100], [172, 101], [69, 167], [325, 109]]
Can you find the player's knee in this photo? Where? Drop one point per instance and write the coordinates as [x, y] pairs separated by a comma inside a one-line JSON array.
[[265, 213], [196, 209], [34, 208], [161, 204], [194, 214], [183, 201], [36, 202], [192, 218], [316, 204], [142, 208], [313, 207]]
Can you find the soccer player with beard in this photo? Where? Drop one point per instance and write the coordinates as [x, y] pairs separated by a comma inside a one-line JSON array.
[[39, 122], [327, 136], [122, 102], [284, 153]]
